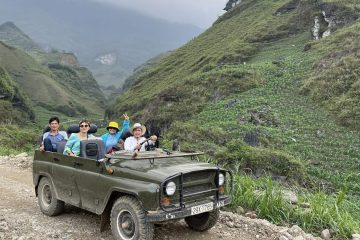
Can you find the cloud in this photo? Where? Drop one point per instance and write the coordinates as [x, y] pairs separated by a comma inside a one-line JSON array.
[[198, 12]]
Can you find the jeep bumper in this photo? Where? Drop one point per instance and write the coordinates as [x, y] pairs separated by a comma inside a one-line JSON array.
[[160, 216]]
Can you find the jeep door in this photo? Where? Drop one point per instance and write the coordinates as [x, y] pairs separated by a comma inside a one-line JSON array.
[[63, 175], [87, 181]]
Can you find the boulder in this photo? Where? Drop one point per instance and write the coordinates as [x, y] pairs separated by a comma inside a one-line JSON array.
[[356, 237], [325, 234], [290, 196], [24, 154]]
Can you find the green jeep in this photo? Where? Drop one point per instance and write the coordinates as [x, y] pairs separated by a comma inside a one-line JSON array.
[[131, 191]]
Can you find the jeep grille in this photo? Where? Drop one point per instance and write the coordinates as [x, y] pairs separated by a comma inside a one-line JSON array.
[[192, 188]]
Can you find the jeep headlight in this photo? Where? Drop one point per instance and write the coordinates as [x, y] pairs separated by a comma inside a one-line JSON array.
[[170, 188], [221, 179]]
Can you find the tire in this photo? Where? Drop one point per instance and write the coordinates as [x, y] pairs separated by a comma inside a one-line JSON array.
[[48, 202], [203, 221], [128, 220]]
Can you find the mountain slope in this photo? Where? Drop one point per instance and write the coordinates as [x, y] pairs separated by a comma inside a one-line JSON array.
[[14, 105], [262, 79], [109, 40], [12, 35], [58, 87]]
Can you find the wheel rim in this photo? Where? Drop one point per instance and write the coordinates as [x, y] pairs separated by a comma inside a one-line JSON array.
[[126, 225], [46, 195]]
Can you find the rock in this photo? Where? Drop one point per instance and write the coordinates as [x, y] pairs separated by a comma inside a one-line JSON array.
[[305, 205], [251, 215], [283, 238], [252, 138], [295, 230], [290, 196], [24, 154], [230, 224], [240, 210], [356, 237], [299, 238], [307, 47], [325, 234]]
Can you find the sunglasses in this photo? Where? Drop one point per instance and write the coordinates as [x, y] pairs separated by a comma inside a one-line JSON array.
[[84, 125]]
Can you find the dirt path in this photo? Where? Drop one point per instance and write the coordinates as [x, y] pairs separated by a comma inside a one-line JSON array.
[[21, 218]]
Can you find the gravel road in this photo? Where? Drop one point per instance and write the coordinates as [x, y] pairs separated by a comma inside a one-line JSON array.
[[21, 218]]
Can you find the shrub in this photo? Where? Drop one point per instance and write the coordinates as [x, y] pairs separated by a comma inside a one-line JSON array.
[[240, 156]]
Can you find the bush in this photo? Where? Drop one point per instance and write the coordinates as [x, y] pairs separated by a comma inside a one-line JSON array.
[[14, 138], [240, 156]]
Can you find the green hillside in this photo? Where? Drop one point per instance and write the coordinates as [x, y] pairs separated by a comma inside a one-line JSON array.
[[258, 94], [58, 86], [14, 105], [13, 36]]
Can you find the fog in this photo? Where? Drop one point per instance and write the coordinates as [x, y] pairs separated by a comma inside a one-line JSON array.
[[198, 12]]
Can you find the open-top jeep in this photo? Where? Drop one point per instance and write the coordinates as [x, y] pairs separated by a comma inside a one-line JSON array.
[[132, 191]]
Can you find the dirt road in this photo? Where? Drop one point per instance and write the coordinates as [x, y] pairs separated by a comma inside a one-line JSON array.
[[21, 218]]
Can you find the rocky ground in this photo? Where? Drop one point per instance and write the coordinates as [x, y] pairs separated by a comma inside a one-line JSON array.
[[21, 218]]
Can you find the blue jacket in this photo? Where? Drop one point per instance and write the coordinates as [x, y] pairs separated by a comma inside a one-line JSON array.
[[125, 127]]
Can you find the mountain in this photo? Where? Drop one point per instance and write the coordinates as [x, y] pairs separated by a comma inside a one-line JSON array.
[[272, 86], [109, 40], [12, 35], [54, 81]]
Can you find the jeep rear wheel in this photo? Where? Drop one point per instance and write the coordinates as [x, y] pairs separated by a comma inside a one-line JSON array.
[[128, 220], [203, 221], [48, 202]]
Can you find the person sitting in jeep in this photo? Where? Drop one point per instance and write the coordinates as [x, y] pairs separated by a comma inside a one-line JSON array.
[[112, 137], [137, 142], [50, 138], [72, 147]]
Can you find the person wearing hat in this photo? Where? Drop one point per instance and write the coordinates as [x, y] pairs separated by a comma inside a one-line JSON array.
[[113, 135], [137, 141]]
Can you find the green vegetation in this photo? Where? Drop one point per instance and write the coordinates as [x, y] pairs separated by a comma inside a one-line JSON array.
[[15, 139], [323, 211], [11, 95], [254, 92], [335, 80]]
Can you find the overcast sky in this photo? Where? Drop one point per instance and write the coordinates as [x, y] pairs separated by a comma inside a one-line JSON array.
[[198, 12]]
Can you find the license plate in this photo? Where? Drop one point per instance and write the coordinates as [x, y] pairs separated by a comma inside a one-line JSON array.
[[220, 204], [202, 208]]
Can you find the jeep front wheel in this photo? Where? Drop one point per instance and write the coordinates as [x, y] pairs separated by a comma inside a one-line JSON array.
[[48, 202], [128, 220], [203, 221]]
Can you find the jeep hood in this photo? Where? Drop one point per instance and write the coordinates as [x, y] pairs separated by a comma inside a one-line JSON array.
[[159, 169]]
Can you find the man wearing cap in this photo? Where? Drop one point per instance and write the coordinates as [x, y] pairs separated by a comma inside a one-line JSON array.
[[137, 142], [113, 135]]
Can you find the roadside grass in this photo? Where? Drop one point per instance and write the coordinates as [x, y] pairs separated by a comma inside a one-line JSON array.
[[324, 211], [15, 139]]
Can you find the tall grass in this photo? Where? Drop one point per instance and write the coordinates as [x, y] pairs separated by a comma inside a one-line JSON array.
[[265, 197]]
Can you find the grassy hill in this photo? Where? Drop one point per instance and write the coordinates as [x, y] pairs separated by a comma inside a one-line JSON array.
[[14, 105], [260, 95], [67, 89], [12, 35]]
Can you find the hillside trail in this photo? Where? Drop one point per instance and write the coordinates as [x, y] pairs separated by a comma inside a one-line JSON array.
[[21, 218]]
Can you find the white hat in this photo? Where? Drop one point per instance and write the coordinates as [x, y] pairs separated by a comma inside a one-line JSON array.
[[138, 125]]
